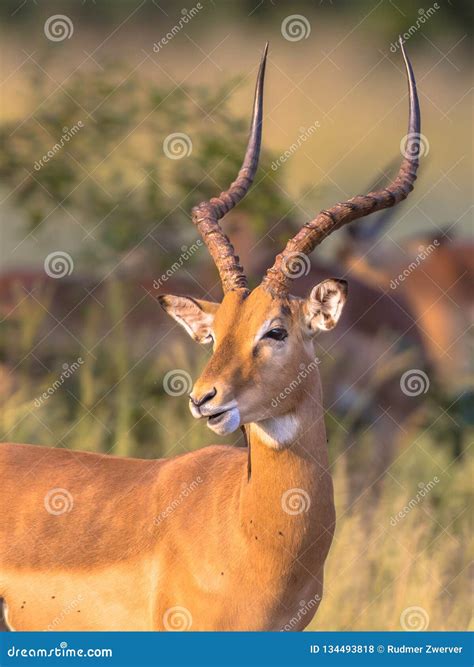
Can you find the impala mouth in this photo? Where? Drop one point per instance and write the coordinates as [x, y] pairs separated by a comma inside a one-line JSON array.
[[213, 419], [224, 421]]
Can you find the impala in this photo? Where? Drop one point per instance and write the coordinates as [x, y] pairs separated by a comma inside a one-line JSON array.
[[107, 543], [438, 295]]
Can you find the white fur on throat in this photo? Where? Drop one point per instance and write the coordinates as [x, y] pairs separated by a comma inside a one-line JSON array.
[[277, 432]]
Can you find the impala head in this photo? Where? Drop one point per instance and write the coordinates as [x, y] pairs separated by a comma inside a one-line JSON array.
[[261, 342], [262, 339]]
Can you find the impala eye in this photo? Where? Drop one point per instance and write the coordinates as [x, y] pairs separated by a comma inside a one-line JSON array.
[[277, 334]]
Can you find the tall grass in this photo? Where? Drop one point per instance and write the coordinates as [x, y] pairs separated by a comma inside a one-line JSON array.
[[380, 567], [115, 402]]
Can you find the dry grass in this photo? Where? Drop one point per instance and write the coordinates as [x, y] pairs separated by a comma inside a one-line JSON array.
[[376, 569]]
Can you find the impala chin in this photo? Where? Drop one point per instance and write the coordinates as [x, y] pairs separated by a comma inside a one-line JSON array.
[[226, 422]]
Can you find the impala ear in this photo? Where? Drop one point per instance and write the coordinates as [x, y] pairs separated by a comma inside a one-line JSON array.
[[194, 315], [323, 308]]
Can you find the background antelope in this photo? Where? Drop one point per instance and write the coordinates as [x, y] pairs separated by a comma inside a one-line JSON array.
[[254, 542]]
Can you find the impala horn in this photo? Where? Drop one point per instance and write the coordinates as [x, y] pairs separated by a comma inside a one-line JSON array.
[[206, 215], [278, 278]]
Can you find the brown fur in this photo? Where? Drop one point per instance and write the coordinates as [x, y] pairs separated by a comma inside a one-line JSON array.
[[229, 553]]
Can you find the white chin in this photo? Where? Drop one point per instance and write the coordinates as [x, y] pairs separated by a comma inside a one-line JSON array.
[[228, 423]]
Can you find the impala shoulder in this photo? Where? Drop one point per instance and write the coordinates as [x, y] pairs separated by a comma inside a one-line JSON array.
[[214, 455]]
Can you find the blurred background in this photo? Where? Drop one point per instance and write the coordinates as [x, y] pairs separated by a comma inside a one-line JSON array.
[[117, 118]]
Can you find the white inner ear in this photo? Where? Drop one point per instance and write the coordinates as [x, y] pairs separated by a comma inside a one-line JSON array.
[[191, 317], [197, 328], [324, 305]]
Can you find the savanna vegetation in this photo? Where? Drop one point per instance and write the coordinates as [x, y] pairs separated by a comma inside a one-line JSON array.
[[89, 373]]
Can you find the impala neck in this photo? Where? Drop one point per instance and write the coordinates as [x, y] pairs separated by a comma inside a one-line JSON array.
[[288, 470]]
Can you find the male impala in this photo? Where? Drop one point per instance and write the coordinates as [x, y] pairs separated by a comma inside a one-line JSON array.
[[88, 538]]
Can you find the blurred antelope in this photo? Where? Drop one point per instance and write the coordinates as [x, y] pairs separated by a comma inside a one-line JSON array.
[[437, 289], [251, 542]]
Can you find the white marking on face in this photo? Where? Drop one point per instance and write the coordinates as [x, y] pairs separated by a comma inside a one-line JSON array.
[[272, 323], [277, 432]]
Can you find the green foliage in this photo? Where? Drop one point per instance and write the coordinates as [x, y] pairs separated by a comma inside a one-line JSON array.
[[112, 173], [385, 17]]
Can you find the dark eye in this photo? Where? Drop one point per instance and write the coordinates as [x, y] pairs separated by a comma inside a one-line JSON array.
[[277, 334]]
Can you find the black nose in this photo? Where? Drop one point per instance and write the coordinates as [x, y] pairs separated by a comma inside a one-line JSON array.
[[203, 399]]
